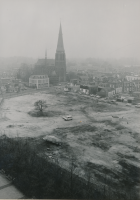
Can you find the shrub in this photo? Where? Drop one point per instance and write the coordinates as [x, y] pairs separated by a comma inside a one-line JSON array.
[[36, 113]]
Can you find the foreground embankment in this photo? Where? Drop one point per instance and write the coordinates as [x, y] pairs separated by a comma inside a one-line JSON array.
[[37, 177]]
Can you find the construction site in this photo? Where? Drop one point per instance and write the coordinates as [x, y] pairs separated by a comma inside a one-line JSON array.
[[102, 139]]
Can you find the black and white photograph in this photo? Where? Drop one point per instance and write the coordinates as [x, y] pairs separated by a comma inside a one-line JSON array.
[[70, 99]]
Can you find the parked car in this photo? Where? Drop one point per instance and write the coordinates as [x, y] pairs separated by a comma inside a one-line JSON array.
[[137, 106], [67, 118], [128, 104], [113, 100], [97, 96]]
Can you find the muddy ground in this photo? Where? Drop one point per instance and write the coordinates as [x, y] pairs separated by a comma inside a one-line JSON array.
[[98, 144]]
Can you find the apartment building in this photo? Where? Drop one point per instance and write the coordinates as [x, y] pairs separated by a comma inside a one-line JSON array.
[[39, 81], [128, 86]]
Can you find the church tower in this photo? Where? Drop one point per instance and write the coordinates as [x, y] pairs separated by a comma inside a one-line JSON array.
[[46, 57], [60, 58]]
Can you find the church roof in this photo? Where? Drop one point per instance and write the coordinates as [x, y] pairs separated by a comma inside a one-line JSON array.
[[60, 46], [42, 62]]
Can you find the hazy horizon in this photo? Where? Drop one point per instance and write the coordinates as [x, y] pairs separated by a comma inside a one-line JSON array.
[[91, 28]]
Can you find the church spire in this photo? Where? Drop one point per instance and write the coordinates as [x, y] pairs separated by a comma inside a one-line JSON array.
[[46, 54], [46, 57], [60, 46]]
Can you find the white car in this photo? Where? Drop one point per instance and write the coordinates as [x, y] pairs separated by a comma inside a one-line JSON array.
[[128, 104], [137, 106], [97, 96], [67, 118]]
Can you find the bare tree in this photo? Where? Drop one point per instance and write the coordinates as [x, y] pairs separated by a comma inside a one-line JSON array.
[[40, 105]]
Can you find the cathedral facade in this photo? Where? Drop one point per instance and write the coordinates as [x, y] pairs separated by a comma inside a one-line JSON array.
[[54, 68]]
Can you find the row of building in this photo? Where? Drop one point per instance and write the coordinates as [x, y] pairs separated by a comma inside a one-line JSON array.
[[10, 84], [108, 86]]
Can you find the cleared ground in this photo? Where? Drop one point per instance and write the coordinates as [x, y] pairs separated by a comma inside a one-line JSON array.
[[103, 146]]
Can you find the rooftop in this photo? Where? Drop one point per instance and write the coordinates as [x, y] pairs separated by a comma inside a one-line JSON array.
[[39, 76]]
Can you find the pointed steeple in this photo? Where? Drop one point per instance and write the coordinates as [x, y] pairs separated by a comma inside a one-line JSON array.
[[60, 46], [46, 54], [46, 57]]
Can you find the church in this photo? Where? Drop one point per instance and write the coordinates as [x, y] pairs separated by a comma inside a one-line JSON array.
[[54, 68]]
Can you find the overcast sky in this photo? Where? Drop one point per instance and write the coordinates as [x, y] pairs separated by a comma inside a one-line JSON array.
[[91, 28]]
